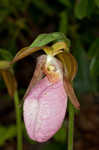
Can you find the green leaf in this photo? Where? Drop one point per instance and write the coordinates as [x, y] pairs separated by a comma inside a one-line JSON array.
[[94, 72], [63, 25], [7, 133], [44, 39], [66, 3], [97, 3], [81, 9], [84, 8], [94, 48], [82, 80], [60, 136], [5, 55], [94, 67], [91, 7], [43, 6]]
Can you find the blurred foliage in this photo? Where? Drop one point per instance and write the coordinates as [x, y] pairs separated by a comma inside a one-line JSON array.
[[5, 55], [22, 20], [7, 133], [60, 136]]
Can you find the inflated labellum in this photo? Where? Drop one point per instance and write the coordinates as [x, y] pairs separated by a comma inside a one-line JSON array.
[[45, 101]]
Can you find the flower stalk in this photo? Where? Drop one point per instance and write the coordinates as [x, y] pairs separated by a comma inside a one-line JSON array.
[[71, 126], [18, 121]]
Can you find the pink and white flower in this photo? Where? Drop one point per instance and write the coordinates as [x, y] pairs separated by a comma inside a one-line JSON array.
[[45, 105]]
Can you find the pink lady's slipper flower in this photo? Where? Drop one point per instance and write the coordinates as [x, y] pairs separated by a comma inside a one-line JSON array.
[[46, 99]]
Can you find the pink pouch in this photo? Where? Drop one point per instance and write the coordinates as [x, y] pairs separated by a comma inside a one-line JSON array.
[[44, 109]]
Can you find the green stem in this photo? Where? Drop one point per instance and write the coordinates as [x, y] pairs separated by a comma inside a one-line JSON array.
[[18, 121], [70, 126]]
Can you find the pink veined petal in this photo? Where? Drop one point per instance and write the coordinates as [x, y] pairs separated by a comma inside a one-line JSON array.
[[44, 110]]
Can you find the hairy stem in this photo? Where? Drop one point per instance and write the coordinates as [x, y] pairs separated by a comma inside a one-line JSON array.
[[70, 126], [18, 121]]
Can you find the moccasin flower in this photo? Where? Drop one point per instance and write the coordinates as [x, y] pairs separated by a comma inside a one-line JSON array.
[[45, 102]]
